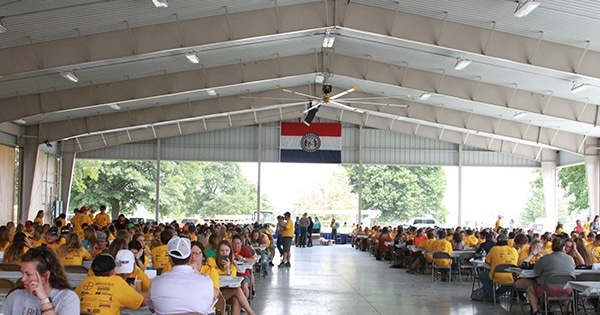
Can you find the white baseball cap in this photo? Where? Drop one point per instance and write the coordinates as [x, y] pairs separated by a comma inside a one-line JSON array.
[[124, 262], [179, 247]]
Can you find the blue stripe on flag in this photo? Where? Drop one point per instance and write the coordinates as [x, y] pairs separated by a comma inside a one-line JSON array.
[[320, 156]]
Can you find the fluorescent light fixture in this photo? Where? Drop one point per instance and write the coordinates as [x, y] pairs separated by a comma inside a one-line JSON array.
[[328, 41], [70, 76], [115, 106], [2, 28], [519, 115], [319, 78], [425, 96], [461, 64], [20, 121], [579, 87], [211, 92], [160, 3], [192, 57], [523, 9]]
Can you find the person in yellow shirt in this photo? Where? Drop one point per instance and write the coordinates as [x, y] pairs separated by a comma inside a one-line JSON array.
[[39, 218], [442, 245], [72, 253], [101, 244], [595, 249], [102, 219], [531, 253], [288, 235], [499, 254], [471, 240], [92, 214], [160, 257], [127, 269], [78, 220], [61, 221], [498, 222], [105, 293], [53, 239], [587, 224], [4, 238]]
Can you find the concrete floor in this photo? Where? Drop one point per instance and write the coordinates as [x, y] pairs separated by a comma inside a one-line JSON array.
[[341, 280]]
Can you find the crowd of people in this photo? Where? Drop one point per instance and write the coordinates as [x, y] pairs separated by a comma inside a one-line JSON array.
[[546, 253], [189, 259]]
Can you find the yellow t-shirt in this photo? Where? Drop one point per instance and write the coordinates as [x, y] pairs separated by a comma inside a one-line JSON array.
[[63, 221], [77, 221], [288, 231], [212, 273], [471, 240], [595, 253], [102, 220], [54, 245], [212, 262], [106, 295], [39, 221], [442, 246], [75, 257], [139, 274], [160, 258], [501, 255]]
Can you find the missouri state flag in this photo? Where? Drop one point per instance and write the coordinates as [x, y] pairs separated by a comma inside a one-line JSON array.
[[317, 143]]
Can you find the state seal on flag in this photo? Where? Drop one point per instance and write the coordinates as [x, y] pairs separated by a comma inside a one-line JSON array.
[[310, 142]]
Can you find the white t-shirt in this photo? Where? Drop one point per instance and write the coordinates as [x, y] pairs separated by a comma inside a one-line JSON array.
[[181, 290], [20, 302]]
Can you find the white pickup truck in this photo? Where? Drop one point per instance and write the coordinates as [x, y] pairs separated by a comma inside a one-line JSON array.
[[422, 222]]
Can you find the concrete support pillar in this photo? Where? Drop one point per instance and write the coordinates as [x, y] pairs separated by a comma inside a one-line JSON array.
[[592, 173], [549, 180], [29, 157], [460, 170]]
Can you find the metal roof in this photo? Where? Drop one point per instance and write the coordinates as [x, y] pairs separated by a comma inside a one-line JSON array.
[[514, 97]]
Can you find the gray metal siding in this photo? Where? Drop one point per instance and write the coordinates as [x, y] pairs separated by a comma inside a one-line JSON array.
[[241, 145], [8, 139]]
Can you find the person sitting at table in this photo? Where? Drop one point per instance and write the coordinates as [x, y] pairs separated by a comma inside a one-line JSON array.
[[44, 287], [160, 257], [499, 254], [235, 296], [72, 252], [181, 290], [532, 253], [487, 244], [572, 251], [135, 271], [417, 257], [53, 238], [520, 242], [105, 292], [471, 240], [19, 246], [457, 241], [558, 262], [585, 253], [442, 245], [257, 239], [382, 247], [547, 242], [241, 254]]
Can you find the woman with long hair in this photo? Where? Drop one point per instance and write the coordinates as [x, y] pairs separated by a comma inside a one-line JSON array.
[[39, 218], [44, 287], [4, 238], [138, 252], [572, 251], [583, 251], [72, 253], [37, 236], [14, 251], [235, 296], [89, 238], [457, 241], [115, 246]]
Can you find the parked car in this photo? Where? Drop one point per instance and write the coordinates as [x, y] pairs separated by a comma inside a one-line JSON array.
[[422, 222]]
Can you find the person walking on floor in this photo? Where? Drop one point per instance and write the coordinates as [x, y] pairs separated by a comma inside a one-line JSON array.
[[334, 227], [303, 229]]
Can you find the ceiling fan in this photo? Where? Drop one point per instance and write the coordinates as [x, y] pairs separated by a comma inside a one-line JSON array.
[[334, 100]]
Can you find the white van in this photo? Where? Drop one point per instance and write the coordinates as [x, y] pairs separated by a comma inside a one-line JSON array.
[[422, 222]]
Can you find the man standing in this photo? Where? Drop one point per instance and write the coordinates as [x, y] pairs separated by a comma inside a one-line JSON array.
[[102, 219], [303, 229], [288, 234], [334, 227], [183, 289], [79, 219]]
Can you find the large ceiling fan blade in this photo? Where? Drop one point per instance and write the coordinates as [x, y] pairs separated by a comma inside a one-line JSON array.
[[350, 108], [313, 106], [374, 103], [272, 98], [298, 93], [396, 97], [354, 88]]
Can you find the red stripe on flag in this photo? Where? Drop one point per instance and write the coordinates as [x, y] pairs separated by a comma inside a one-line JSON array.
[[320, 129]]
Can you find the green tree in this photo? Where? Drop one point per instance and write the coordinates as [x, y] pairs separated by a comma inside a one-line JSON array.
[[187, 188], [400, 192], [535, 206], [573, 180]]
